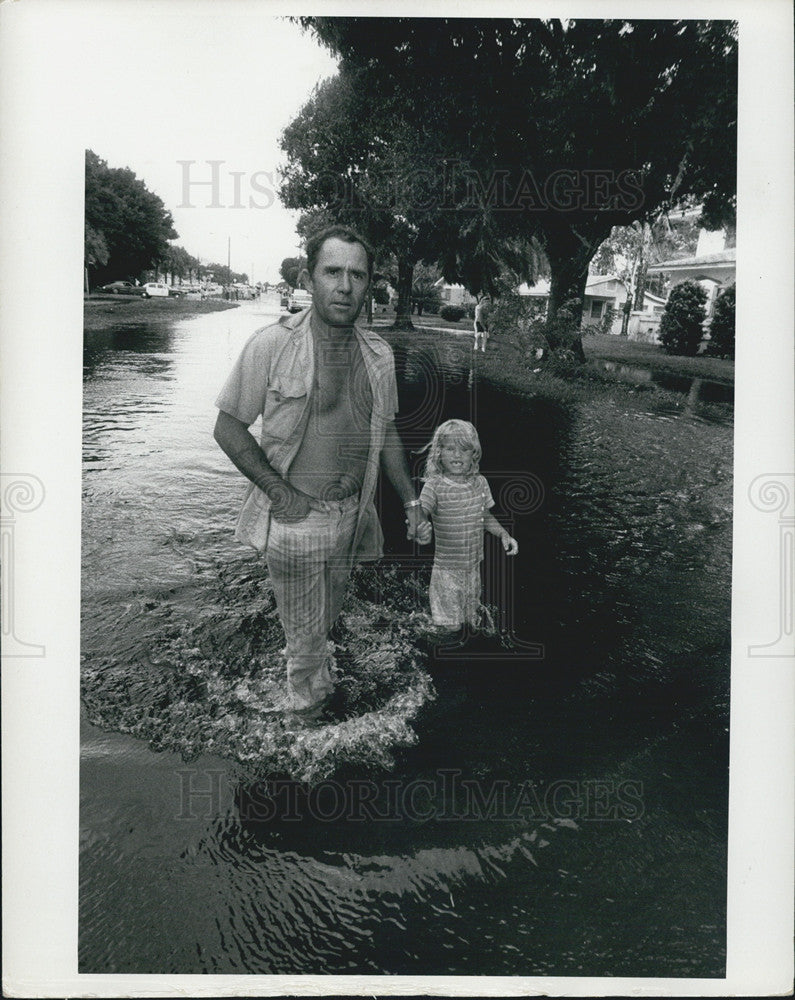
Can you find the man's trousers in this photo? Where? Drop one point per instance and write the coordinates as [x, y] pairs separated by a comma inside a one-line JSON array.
[[310, 564]]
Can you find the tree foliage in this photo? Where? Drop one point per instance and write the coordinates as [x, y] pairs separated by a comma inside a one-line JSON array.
[[424, 289], [453, 136], [681, 324], [179, 263], [95, 249], [721, 329], [351, 162], [626, 254], [125, 223], [289, 269]]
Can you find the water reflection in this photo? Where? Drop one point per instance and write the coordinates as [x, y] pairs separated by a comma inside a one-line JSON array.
[[696, 389], [104, 346]]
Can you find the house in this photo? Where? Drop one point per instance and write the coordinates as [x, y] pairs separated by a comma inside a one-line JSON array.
[[454, 295], [602, 292], [713, 266], [644, 324]]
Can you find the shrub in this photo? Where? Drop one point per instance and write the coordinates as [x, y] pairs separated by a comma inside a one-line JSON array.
[[452, 313], [381, 295], [563, 333], [519, 319], [721, 330], [606, 323], [681, 327]]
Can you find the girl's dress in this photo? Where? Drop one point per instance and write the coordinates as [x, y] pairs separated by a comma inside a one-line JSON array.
[[457, 510]]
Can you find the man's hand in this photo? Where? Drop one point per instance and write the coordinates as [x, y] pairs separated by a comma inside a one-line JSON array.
[[289, 505]]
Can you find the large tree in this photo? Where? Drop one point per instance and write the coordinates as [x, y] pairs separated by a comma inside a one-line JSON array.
[[131, 220], [354, 160], [558, 130]]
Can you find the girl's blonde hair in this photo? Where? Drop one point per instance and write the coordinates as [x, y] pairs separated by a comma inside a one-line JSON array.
[[460, 431]]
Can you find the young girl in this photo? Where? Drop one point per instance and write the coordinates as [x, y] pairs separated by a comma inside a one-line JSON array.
[[457, 501]]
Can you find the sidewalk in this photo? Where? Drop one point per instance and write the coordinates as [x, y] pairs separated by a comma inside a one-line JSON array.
[[420, 327]]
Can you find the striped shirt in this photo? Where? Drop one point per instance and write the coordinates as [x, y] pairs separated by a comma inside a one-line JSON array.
[[457, 510]]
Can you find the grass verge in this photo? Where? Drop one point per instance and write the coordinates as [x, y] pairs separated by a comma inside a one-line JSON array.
[[105, 311]]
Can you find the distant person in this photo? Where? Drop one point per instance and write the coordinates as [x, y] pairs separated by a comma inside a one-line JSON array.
[[457, 500], [482, 317], [326, 391]]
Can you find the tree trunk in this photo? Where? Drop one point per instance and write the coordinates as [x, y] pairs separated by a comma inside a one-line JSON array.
[[626, 309], [566, 288], [567, 282], [404, 282], [643, 266], [569, 253]]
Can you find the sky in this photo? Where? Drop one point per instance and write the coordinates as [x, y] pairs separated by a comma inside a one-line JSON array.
[[169, 87]]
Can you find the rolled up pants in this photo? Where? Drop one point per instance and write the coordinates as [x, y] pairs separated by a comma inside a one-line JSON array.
[[310, 564]]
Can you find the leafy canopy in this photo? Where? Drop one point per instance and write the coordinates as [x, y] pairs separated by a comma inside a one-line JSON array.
[[126, 223]]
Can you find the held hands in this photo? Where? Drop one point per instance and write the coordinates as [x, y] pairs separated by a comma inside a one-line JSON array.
[[510, 544], [424, 532], [419, 529]]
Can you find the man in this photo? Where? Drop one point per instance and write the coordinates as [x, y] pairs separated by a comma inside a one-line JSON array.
[[482, 313], [327, 394]]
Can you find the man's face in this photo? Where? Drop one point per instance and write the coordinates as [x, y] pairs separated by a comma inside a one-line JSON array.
[[339, 282]]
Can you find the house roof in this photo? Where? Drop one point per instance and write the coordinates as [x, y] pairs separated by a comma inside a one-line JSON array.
[[541, 287], [726, 257]]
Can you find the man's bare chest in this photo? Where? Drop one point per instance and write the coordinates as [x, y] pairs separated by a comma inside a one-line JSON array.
[[341, 392]]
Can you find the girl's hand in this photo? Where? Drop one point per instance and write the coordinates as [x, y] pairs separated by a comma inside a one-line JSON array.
[[510, 545], [424, 532], [415, 522]]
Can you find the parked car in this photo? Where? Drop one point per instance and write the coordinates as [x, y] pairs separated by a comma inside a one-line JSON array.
[[155, 289], [122, 288], [187, 291], [300, 299]]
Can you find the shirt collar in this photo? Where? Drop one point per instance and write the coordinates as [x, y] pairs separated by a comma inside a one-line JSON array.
[[300, 324]]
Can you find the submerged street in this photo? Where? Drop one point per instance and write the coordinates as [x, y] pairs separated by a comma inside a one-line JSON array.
[[560, 813]]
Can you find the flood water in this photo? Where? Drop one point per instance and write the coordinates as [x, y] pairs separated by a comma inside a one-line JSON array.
[[562, 813]]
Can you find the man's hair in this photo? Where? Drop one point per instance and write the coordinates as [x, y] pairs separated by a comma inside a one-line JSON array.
[[344, 233]]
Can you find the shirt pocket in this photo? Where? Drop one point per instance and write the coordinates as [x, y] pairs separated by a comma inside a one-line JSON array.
[[284, 404]]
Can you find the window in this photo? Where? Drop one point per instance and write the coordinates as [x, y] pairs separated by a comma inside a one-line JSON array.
[[596, 308]]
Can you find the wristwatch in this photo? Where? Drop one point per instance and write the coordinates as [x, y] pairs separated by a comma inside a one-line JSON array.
[[412, 503]]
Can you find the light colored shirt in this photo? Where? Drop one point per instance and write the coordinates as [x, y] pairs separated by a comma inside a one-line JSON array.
[[273, 377], [458, 511]]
